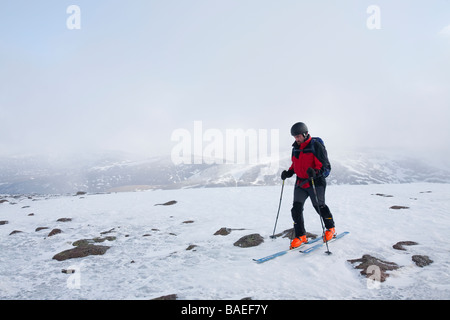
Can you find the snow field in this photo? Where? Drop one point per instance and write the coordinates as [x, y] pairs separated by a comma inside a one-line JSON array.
[[149, 257]]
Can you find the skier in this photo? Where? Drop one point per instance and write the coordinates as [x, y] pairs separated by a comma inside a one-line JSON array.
[[308, 153]]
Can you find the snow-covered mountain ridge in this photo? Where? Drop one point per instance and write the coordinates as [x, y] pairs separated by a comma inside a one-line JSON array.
[[119, 172]]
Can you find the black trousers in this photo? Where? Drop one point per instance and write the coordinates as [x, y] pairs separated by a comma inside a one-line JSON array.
[[300, 196]]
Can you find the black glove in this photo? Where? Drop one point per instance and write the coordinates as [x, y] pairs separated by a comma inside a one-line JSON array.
[[287, 174], [311, 172]]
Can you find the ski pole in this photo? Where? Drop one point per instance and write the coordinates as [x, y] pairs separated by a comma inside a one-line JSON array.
[[312, 174], [279, 206]]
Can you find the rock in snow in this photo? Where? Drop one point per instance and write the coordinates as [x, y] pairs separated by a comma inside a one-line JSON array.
[[54, 232], [80, 252], [371, 265], [168, 203], [225, 231], [250, 240], [421, 260], [400, 245]]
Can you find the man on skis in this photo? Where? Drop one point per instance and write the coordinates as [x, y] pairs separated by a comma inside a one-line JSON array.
[[308, 152]]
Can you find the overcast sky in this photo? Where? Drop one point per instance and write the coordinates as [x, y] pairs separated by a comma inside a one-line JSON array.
[[138, 70]]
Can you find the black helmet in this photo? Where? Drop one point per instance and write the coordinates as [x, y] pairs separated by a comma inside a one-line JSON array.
[[299, 128]]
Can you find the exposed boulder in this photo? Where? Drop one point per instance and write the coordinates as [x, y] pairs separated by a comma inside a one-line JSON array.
[[168, 203], [421, 261], [191, 246], [84, 248], [398, 207], [370, 265], [167, 297], [383, 195], [108, 231], [68, 271], [225, 231], [290, 233], [54, 232], [250, 240], [80, 252], [400, 245], [86, 242]]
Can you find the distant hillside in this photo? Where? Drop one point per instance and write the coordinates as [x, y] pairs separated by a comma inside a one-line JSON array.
[[120, 172]]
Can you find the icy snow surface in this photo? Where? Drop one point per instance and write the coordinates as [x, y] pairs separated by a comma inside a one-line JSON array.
[[145, 267]]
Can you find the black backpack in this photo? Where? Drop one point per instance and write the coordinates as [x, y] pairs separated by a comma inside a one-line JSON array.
[[326, 171]]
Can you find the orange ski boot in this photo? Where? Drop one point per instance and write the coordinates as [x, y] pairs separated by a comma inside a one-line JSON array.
[[297, 242], [329, 234]]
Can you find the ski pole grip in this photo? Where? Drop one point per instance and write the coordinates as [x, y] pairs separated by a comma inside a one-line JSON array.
[[311, 172]]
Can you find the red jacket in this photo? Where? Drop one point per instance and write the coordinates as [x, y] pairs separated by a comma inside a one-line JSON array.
[[303, 158]]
